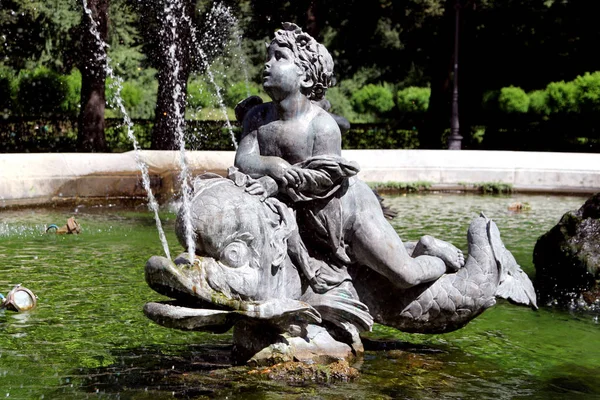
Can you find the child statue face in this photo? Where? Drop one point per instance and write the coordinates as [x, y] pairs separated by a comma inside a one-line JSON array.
[[281, 75]]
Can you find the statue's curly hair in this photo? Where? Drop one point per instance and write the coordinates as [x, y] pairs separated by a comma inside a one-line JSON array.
[[309, 55]]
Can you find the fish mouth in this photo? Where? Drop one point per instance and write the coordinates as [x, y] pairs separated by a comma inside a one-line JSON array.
[[187, 284], [197, 306], [194, 305]]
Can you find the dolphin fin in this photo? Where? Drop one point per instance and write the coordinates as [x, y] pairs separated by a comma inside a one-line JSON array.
[[514, 284]]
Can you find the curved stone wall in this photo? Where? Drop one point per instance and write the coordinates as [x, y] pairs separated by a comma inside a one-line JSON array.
[[47, 178]]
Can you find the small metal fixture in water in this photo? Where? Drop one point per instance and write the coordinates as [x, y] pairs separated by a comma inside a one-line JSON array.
[[72, 227], [18, 299]]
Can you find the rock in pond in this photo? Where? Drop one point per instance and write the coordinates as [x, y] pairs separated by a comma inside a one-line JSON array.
[[567, 258]]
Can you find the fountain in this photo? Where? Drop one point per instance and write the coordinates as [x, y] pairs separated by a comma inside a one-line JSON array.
[[88, 336], [293, 251]]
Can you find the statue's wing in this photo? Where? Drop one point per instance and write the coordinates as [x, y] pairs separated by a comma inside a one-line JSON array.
[[514, 283]]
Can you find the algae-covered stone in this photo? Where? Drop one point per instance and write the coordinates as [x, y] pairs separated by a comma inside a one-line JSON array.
[[300, 372], [567, 258]]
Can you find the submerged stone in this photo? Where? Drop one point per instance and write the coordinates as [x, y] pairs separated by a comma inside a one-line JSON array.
[[567, 258], [300, 372]]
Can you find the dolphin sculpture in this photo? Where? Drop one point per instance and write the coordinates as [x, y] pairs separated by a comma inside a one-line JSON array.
[[454, 299], [214, 293]]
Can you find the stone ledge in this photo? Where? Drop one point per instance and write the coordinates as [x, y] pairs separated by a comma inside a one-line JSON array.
[[44, 178]]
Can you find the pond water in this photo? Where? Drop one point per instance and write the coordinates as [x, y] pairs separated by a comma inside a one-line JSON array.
[[88, 337]]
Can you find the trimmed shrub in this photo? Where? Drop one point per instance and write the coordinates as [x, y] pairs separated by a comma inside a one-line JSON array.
[[42, 92], [413, 99], [376, 99], [538, 102], [588, 91], [562, 97], [513, 100]]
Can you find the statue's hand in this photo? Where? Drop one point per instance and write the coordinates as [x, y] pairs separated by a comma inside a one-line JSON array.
[[299, 178], [263, 187], [318, 285]]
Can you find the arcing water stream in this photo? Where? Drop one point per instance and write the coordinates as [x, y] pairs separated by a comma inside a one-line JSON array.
[[152, 203], [174, 12]]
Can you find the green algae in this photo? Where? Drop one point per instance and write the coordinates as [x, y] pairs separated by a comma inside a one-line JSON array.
[[88, 336]]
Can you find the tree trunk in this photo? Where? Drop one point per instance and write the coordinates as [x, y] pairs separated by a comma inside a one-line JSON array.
[[313, 21], [90, 136], [472, 75], [166, 118], [437, 119]]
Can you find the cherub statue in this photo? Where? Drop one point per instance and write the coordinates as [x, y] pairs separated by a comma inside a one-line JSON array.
[[292, 243], [292, 148]]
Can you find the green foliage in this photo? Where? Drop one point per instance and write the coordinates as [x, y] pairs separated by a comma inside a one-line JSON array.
[[341, 104], [538, 102], [38, 33], [413, 99], [340, 96], [138, 95], [493, 187], [376, 99], [200, 94], [125, 42], [238, 92], [72, 101], [513, 100], [42, 92], [562, 97], [403, 187], [379, 136], [131, 94], [588, 91]]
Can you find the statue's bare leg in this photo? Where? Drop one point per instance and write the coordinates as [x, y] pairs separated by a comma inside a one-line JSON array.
[[452, 256], [375, 243]]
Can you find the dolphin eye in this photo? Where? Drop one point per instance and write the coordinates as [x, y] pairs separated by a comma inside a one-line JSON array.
[[235, 254]]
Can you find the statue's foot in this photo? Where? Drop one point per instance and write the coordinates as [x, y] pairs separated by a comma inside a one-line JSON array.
[[452, 256]]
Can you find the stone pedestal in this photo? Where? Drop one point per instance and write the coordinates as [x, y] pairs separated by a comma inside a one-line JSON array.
[[261, 344]]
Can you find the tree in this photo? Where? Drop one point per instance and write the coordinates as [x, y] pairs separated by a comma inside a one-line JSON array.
[[93, 76], [38, 33], [178, 38]]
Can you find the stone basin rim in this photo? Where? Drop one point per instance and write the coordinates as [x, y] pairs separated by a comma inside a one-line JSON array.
[[48, 179]]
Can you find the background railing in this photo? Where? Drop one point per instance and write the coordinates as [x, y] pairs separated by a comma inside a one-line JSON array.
[[54, 134]]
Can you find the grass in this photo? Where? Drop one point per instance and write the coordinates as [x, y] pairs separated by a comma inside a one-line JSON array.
[[489, 187], [403, 187], [420, 186]]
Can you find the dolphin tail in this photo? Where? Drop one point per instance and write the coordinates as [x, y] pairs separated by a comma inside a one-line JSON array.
[[514, 284]]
